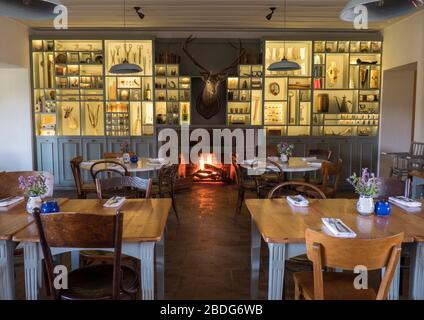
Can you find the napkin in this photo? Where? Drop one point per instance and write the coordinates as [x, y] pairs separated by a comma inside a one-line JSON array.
[[298, 201], [12, 200], [87, 163], [309, 158], [156, 160], [405, 202], [114, 202], [337, 228]]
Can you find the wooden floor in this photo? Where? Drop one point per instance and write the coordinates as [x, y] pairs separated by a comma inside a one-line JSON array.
[[208, 255]]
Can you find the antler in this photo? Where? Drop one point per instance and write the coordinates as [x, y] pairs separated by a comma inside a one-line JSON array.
[[242, 51], [184, 47]]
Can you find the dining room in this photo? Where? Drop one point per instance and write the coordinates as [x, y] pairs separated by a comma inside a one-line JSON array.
[[227, 151]]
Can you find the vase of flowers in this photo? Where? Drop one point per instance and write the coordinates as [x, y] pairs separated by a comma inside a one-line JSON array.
[[366, 186], [285, 150], [125, 152], [34, 188]]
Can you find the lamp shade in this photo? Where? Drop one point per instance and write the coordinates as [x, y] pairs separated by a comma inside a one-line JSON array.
[[284, 65], [125, 68], [381, 10], [28, 9]]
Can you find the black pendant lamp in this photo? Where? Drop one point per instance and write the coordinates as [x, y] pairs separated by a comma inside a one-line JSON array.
[[380, 10], [284, 64], [125, 67], [28, 9]]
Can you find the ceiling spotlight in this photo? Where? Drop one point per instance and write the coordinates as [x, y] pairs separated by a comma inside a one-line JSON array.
[[140, 14], [269, 15]]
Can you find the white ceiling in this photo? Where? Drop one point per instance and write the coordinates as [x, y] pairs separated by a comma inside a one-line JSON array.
[[204, 14]]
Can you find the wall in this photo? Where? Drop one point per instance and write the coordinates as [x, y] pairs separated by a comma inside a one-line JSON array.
[[15, 111], [404, 44]]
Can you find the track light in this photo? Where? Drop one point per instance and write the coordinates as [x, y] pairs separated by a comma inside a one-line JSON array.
[[269, 15], [140, 14]]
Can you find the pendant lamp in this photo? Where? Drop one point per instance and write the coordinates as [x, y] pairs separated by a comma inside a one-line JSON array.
[[380, 10], [125, 67], [284, 64], [28, 9]]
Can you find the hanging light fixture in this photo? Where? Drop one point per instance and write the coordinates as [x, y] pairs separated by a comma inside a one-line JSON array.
[[284, 64], [28, 9], [379, 10], [125, 67]]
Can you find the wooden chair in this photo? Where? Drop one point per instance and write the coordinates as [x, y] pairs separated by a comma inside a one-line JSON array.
[[289, 187], [329, 170], [82, 188], [127, 186], [404, 162], [327, 251], [244, 183], [165, 185], [271, 177], [108, 167], [78, 230], [391, 187], [9, 185], [324, 154]]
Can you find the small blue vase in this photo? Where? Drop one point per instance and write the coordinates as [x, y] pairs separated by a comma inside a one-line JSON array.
[[134, 159], [382, 208], [50, 207]]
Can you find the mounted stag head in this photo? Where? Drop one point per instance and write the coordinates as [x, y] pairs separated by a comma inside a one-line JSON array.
[[208, 102]]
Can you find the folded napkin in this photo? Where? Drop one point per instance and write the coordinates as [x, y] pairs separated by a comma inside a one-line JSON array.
[[87, 163], [314, 164], [405, 202], [309, 158], [337, 228], [156, 160], [114, 202], [298, 201], [5, 202]]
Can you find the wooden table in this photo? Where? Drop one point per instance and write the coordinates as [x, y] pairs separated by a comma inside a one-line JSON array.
[[143, 165], [143, 236], [11, 222], [417, 185], [283, 227]]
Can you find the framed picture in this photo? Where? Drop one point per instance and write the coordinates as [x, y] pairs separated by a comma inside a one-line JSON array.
[[274, 88]]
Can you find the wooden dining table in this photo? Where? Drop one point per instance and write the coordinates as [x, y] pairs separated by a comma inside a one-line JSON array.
[[143, 239], [283, 226]]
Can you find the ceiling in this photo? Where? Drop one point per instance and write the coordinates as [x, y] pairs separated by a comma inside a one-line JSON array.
[[204, 14]]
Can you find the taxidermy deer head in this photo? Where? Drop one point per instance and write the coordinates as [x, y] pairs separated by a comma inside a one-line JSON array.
[[208, 103]]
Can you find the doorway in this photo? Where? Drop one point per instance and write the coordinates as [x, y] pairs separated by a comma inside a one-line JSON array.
[[397, 113]]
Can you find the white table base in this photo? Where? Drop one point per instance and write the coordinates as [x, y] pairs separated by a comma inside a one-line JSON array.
[[279, 253], [143, 251], [7, 277]]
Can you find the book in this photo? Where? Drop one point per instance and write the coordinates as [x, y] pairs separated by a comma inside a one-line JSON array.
[[406, 202]]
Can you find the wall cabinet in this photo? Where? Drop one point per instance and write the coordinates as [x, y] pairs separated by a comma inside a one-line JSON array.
[[47, 156], [68, 149]]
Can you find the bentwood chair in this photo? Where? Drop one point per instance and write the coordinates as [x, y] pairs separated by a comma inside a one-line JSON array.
[[78, 230], [272, 176], [165, 185], [109, 168], [125, 186], [244, 183], [289, 188], [324, 154], [9, 185], [346, 253], [83, 189]]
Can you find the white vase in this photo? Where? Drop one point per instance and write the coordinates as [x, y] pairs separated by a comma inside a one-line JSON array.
[[126, 157], [365, 205], [284, 158], [32, 203]]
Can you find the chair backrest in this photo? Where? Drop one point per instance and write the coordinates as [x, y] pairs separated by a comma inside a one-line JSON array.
[[80, 230], [109, 167], [347, 253], [9, 185], [123, 185], [323, 154], [315, 192], [76, 171], [417, 149], [167, 176], [271, 150], [391, 187], [331, 170]]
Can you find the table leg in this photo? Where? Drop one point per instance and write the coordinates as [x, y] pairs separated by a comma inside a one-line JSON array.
[[31, 266], [395, 285], [277, 258], [255, 261], [147, 253], [417, 272], [160, 267], [7, 277], [75, 260]]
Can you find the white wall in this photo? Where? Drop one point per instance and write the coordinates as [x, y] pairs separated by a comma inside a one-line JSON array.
[[15, 111], [404, 44]]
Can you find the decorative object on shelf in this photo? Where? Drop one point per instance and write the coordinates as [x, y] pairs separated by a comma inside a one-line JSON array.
[[93, 118], [343, 105], [333, 73], [363, 77], [61, 58], [380, 10], [359, 61], [34, 188], [285, 150], [382, 208], [137, 122], [274, 88], [125, 67], [374, 79], [366, 186], [323, 102], [125, 152], [208, 102], [72, 122]]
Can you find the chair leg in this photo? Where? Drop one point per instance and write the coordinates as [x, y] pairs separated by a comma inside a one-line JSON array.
[[240, 199], [174, 206], [46, 279], [297, 292]]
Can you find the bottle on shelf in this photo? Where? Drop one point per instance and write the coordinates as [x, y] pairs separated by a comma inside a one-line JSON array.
[[148, 93]]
